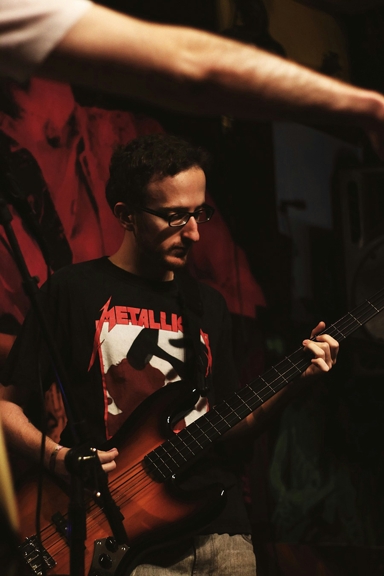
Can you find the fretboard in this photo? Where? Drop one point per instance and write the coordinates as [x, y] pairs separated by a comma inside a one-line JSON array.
[[183, 448]]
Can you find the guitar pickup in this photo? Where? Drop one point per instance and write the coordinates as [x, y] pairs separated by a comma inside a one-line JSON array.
[[61, 525]]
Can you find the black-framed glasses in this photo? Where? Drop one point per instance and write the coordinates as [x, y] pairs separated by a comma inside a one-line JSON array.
[[201, 215]]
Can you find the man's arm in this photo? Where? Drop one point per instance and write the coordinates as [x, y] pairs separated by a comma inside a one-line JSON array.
[[201, 73], [21, 435]]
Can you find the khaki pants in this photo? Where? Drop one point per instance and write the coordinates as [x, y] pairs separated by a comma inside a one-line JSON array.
[[211, 555]]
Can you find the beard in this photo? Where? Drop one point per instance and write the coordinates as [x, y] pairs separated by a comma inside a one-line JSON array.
[[170, 260], [176, 257]]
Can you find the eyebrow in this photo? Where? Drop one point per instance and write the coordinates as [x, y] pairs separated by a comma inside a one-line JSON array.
[[178, 208]]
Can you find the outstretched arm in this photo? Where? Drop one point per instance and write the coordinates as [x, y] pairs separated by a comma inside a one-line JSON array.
[[202, 73]]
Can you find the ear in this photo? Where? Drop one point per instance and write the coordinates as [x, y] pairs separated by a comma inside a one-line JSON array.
[[125, 217]]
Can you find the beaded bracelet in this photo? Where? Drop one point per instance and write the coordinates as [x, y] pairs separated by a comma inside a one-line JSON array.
[[52, 458]]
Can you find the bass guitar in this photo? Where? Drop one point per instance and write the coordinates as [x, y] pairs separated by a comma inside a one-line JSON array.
[[145, 485]]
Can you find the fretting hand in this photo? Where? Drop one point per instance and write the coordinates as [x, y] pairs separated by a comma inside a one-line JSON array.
[[325, 350]]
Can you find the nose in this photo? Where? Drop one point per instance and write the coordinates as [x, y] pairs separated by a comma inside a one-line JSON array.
[[191, 230]]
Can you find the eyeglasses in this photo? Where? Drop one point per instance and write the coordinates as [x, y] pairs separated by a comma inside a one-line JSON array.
[[201, 215]]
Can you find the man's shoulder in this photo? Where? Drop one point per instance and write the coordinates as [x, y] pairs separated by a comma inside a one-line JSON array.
[[208, 290], [211, 297], [80, 268], [77, 273]]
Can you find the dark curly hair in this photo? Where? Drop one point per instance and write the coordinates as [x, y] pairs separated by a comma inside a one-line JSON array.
[[134, 165]]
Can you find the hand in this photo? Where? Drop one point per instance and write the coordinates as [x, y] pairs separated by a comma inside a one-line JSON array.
[[107, 460], [325, 350]]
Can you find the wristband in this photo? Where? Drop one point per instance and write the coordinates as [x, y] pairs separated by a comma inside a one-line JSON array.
[[52, 458]]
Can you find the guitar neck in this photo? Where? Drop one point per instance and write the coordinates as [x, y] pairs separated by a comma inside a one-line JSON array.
[[176, 453]]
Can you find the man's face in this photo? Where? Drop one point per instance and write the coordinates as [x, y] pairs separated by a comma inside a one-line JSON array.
[[162, 249]]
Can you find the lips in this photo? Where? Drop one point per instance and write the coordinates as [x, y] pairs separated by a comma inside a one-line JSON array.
[[179, 250], [179, 253]]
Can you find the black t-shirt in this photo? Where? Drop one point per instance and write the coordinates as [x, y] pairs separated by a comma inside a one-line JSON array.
[[121, 338]]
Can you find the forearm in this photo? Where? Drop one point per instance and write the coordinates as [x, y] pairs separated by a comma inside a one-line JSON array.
[[202, 73], [21, 435]]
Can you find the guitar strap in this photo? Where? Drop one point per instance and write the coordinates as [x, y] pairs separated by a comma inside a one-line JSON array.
[[192, 311]]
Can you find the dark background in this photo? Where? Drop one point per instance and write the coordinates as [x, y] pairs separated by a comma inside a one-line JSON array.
[[315, 480]]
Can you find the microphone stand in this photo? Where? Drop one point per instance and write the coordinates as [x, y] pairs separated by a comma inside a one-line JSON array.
[[81, 461]]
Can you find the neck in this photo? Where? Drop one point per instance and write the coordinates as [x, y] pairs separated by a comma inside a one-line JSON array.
[[128, 260]]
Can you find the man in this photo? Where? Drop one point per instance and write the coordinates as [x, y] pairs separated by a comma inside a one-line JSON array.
[[80, 42], [130, 325]]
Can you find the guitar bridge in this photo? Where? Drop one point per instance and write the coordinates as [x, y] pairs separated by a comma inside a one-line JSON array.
[[35, 557]]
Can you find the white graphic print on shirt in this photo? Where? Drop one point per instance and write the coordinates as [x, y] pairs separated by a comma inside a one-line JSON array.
[[140, 351]]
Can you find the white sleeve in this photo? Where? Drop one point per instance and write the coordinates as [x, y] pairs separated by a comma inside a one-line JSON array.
[[30, 29]]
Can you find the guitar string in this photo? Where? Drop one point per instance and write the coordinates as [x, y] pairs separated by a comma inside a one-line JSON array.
[[342, 327], [300, 366], [348, 321], [94, 511], [125, 481], [52, 527], [122, 497], [351, 321]]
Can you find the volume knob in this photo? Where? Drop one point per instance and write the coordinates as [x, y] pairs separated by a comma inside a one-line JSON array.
[[111, 544], [105, 561]]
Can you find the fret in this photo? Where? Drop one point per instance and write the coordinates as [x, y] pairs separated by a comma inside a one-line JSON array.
[[153, 468], [266, 383], [288, 359], [214, 427], [259, 400], [338, 331], [256, 394], [160, 453], [195, 439], [280, 376], [206, 435], [373, 306], [211, 424], [231, 410], [222, 420], [180, 438], [354, 317], [174, 459], [248, 407], [175, 453]]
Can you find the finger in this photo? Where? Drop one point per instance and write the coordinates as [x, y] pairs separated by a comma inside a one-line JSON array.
[[109, 466], [318, 328], [108, 456], [332, 344], [321, 364], [320, 351]]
